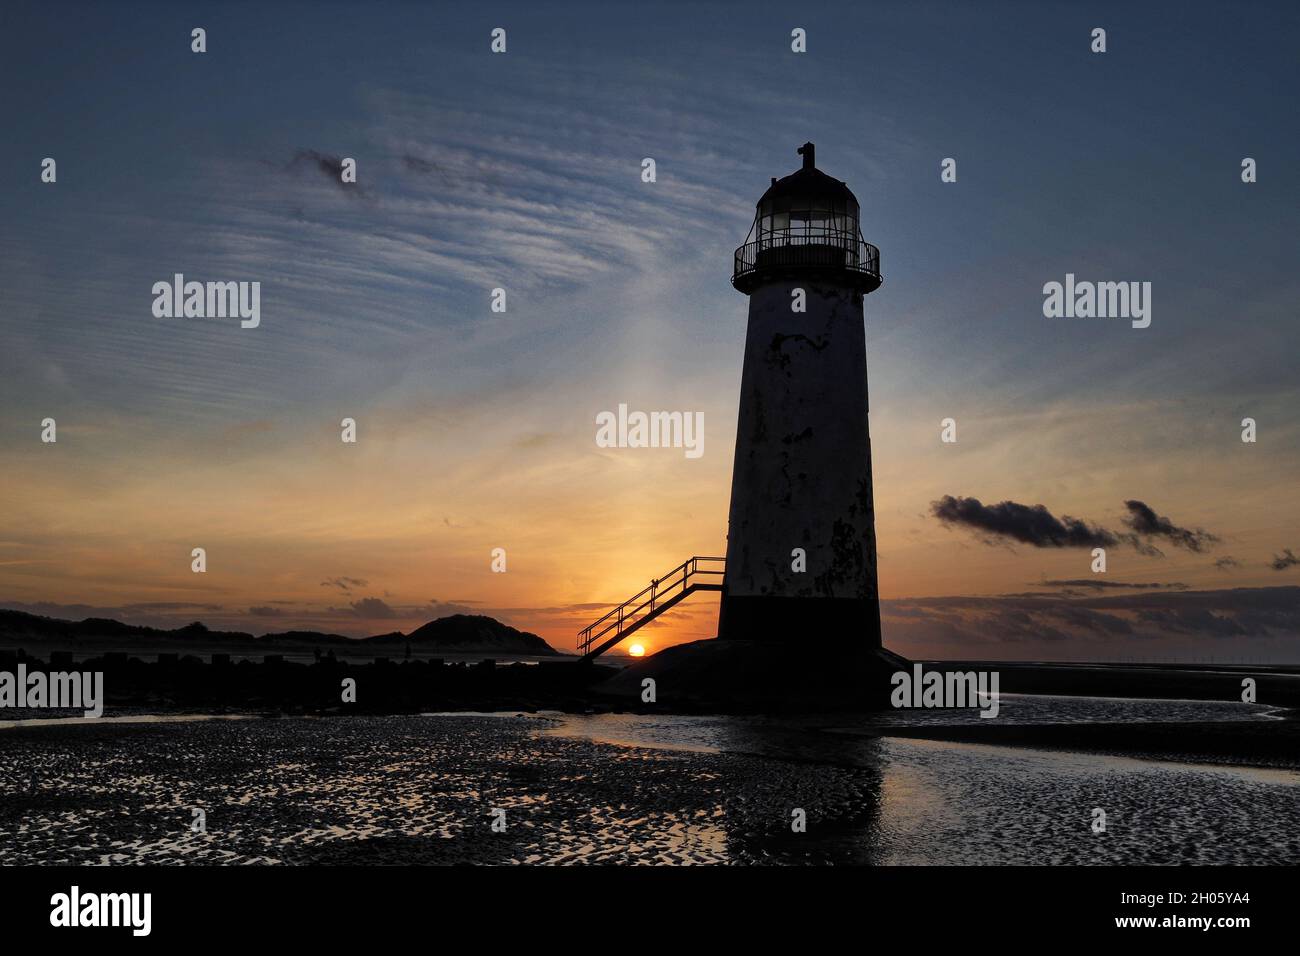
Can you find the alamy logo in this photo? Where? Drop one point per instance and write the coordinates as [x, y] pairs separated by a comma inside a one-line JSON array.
[[57, 689], [948, 689], [1100, 300], [208, 300], [651, 430], [74, 908]]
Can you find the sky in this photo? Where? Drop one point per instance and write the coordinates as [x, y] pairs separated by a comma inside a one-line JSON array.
[[476, 429]]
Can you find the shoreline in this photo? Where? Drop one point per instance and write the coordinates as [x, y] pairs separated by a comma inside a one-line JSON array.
[[1268, 742], [1271, 744]]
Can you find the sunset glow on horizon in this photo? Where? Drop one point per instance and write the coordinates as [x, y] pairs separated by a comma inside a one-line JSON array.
[[476, 430]]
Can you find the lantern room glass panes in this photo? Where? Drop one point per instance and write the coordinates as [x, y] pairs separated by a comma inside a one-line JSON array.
[[807, 221]]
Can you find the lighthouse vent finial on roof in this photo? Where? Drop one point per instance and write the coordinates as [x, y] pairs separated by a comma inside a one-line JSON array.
[[809, 153]]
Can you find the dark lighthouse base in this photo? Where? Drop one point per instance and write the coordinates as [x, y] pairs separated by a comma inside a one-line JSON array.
[[809, 621], [767, 677]]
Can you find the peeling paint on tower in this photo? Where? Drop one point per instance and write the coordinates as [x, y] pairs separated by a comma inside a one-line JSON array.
[[802, 473]]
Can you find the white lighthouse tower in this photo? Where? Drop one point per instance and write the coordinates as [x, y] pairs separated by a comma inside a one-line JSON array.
[[801, 541]]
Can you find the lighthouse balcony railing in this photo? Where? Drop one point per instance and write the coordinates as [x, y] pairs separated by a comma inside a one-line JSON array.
[[812, 249]]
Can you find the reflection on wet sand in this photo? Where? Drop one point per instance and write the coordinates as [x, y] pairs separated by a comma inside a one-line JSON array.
[[610, 788]]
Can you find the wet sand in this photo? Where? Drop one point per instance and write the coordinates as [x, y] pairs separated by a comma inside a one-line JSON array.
[[392, 790], [613, 789], [1239, 743]]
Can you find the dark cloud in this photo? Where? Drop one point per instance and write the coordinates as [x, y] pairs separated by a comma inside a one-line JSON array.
[[170, 606], [1101, 584], [1028, 524], [1284, 560], [265, 611], [418, 164], [328, 165], [1078, 618], [1226, 562], [1254, 615], [373, 608], [1146, 523], [1035, 525], [343, 584], [1199, 621]]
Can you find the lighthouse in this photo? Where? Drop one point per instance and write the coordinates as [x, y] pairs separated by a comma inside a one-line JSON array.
[[799, 574], [801, 540]]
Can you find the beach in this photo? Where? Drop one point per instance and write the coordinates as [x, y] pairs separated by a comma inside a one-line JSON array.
[[654, 789]]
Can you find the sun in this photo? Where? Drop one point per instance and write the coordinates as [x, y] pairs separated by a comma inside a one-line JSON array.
[[636, 650]]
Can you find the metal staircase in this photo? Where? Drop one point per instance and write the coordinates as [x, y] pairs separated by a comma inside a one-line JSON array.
[[642, 608]]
